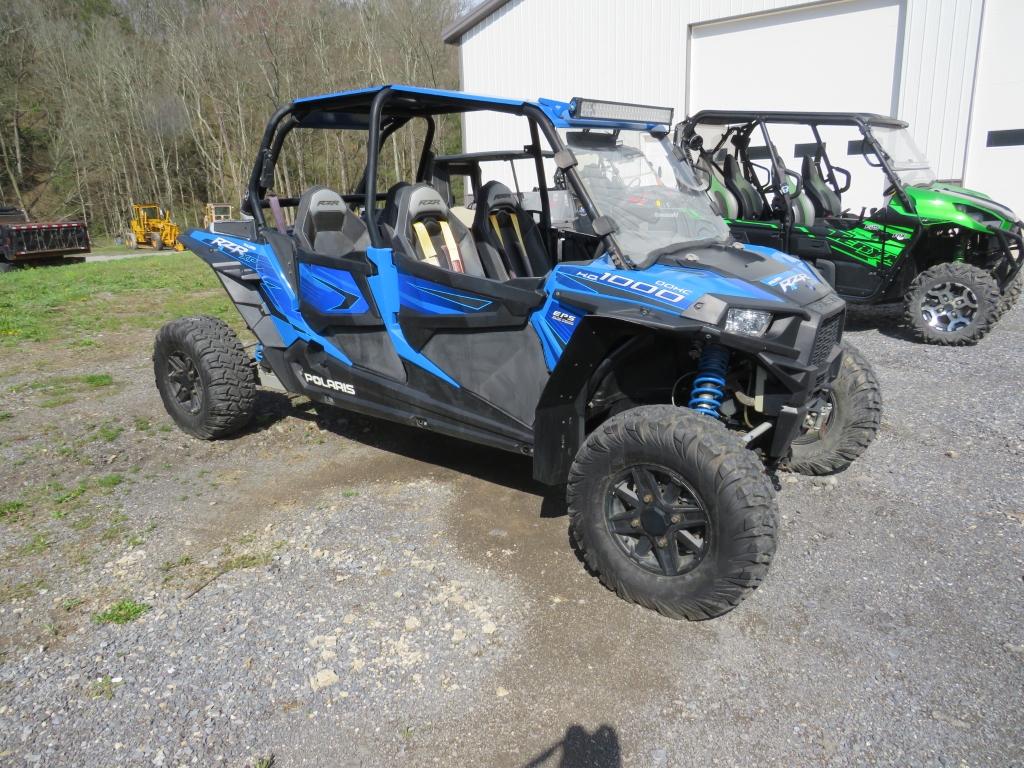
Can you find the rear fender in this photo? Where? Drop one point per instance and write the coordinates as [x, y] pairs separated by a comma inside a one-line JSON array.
[[242, 284]]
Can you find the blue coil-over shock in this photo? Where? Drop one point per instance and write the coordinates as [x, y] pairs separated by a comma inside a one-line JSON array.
[[709, 386]]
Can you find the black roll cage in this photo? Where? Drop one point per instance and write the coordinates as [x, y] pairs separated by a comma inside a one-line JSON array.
[[863, 121], [381, 124]]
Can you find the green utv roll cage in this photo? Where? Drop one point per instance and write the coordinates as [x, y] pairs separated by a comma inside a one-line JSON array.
[[951, 254]]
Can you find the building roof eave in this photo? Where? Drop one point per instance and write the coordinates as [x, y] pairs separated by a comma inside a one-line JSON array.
[[453, 33]]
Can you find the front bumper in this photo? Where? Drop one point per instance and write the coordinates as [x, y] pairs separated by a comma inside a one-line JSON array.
[[1011, 244], [809, 365]]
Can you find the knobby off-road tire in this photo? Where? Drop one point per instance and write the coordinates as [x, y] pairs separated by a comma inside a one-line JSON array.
[[157, 242], [952, 304], [722, 500], [856, 401], [204, 377], [1011, 293]]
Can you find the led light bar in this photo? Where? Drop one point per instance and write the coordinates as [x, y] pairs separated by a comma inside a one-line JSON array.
[[594, 109]]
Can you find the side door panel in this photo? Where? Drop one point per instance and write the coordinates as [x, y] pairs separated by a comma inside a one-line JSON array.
[[476, 331]]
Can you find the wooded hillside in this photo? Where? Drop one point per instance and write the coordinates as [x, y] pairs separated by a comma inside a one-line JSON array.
[[105, 102]]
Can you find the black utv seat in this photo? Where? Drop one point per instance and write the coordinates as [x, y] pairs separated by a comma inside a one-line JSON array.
[[326, 226], [725, 201], [508, 238], [751, 206], [825, 200], [420, 225]]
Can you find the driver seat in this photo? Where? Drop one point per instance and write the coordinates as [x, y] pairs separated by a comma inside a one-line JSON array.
[[324, 225], [750, 204], [825, 200], [506, 235], [725, 201]]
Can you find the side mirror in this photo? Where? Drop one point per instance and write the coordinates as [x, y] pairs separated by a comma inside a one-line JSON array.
[[695, 142]]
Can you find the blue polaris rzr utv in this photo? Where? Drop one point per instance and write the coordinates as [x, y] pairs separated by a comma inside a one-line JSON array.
[[597, 317]]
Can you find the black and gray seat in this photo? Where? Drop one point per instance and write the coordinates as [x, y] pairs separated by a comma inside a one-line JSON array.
[[324, 225], [725, 201], [420, 225], [751, 205], [801, 208], [825, 200], [507, 237]]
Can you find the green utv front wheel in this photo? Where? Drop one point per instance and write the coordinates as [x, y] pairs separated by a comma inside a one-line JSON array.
[[845, 423], [205, 380], [952, 304], [672, 512], [1011, 292]]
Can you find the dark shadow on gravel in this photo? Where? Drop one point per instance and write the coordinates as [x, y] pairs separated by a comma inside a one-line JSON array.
[[479, 461], [579, 749], [887, 319]]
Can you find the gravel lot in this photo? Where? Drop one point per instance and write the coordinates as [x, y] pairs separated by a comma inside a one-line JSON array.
[[337, 591]]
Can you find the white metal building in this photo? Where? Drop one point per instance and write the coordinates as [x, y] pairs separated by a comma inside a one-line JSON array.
[[954, 69]]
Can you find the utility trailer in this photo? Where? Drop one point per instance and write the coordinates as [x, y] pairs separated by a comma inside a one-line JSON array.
[[24, 242]]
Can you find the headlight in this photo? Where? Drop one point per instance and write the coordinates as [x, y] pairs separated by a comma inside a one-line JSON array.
[[749, 322]]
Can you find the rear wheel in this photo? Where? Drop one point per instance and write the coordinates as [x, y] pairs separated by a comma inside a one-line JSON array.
[[157, 241], [672, 512], [845, 424], [205, 380], [952, 304]]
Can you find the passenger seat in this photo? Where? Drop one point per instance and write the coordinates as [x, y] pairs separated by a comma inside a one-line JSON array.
[[420, 224], [508, 238], [326, 226]]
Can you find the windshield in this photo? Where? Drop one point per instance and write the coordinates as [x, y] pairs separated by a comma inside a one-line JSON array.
[[636, 180], [906, 160]]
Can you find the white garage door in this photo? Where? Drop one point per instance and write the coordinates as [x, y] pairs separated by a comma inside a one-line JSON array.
[[838, 57], [995, 157]]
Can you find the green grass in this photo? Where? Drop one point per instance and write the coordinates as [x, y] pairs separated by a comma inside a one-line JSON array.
[[121, 612], [20, 591], [36, 545], [239, 562], [170, 565], [108, 433], [10, 509], [102, 688], [109, 481], [69, 604], [60, 390], [72, 302], [63, 496], [5, 415]]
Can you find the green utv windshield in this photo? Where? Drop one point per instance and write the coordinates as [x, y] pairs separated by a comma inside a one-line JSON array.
[[635, 179], [906, 159]]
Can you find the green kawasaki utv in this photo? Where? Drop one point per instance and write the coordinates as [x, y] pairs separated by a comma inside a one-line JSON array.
[[953, 256]]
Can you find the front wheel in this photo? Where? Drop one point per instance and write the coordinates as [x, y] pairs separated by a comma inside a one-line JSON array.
[[1011, 292], [846, 422], [204, 377], [672, 512], [952, 304]]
